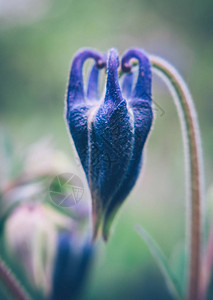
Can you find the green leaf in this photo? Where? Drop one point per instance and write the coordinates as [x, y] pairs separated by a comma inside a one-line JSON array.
[[170, 278], [178, 263]]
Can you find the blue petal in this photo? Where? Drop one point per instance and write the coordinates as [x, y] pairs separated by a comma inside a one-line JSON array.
[[113, 92], [77, 109], [111, 142], [110, 154], [143, 85]]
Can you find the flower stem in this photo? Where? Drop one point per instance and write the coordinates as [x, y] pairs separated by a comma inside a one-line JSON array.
[[207, 265], [194, 168], [11, 283]]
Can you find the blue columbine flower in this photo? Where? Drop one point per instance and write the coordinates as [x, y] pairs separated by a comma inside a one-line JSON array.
[[109, 133]]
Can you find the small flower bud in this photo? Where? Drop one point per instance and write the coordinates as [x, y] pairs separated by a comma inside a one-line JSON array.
[[31, 235]]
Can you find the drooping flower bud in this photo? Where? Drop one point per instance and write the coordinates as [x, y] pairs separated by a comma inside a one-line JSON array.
[[31, 235], [110, 132]]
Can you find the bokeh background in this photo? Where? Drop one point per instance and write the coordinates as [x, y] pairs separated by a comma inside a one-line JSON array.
[[38, 39]]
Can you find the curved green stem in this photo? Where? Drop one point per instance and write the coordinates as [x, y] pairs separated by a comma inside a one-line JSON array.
[[194, 174], [11, 283]]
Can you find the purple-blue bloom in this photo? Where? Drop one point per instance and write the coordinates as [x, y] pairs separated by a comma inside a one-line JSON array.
[[109, 132]]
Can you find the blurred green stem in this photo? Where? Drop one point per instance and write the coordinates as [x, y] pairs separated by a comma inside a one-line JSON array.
[[193, 164], [11, 283]]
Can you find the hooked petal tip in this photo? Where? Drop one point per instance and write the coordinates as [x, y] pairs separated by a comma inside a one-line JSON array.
[[75, 91], [143, 85]]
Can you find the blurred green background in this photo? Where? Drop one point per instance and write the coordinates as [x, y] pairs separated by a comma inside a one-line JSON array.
[[38, 39]]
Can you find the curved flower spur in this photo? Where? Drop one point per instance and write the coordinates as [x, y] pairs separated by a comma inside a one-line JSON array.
[[109, 134]]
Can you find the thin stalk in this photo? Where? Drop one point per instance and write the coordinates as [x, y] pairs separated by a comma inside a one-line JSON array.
[[11, 283], [207, 265], [194, 170]]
